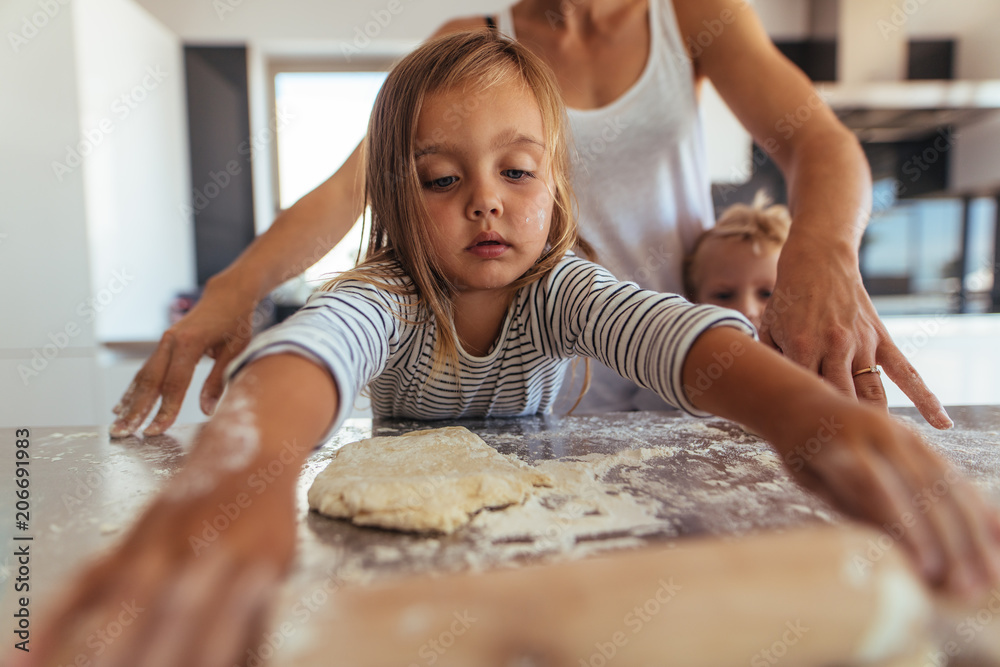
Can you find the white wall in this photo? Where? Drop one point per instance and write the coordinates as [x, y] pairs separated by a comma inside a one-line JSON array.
[[132, 100], [871, 52], [42, 217], [728, 145], [69, 220], [43, 269], [956, 356]]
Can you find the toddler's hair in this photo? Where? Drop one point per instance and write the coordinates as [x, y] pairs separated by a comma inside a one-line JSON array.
[[471, 62], [757, 223]]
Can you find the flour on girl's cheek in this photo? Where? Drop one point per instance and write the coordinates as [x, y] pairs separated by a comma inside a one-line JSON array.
[[540, 217]]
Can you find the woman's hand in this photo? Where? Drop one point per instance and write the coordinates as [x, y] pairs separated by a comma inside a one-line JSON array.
[[881, 472], [821, 317], [191, 584], [220, 325]]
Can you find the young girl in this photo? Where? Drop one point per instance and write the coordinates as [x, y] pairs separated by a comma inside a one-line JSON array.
[[735, 263], [470, 303]]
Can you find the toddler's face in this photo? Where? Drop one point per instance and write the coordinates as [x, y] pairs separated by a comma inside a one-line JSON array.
[[486, 183], [726, 272]]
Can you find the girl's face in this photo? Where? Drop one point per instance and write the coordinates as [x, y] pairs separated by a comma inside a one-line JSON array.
[[728, 273], [486, 183]]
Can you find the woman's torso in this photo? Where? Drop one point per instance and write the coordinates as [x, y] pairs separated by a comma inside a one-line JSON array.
[[640, 170]]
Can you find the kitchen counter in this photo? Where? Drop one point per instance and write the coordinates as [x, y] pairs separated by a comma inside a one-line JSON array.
[[660, 476]]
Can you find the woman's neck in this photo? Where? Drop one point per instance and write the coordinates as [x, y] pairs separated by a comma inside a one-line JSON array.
[[572, 13]]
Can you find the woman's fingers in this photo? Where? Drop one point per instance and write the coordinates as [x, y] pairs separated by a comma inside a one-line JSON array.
[[821, 334], [141, 395], [868, 385], [847, 366], [215, 383], [218, 326], [906, 377], [836, 370]]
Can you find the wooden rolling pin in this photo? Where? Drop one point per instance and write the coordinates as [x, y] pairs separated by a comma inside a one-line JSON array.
[[843, 595]]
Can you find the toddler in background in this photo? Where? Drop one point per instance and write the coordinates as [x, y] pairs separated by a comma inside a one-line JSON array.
[[735, 263]]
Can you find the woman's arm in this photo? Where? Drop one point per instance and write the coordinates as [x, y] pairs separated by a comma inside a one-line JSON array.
[[820, 315], [867, 465], [201, 565], [220, 324]]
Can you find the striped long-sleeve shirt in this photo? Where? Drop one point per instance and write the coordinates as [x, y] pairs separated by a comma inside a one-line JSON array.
[[579, 309]]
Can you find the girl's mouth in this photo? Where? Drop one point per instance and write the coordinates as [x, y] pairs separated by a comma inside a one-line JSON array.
[[488, 245], [488, 249]]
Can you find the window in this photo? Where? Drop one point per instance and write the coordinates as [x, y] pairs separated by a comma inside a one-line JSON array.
[[328, 116], [981, 248], [911, 255]]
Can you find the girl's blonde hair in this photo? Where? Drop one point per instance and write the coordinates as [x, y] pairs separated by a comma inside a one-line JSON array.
[[471, 62], [761, 222]]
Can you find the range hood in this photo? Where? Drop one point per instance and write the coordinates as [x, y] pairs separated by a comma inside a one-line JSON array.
[[889, 111], [872, 95]]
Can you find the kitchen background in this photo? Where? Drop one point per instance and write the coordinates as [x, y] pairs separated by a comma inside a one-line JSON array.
[[143, 143]]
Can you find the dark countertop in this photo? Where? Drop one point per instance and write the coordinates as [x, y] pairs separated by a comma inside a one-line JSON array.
[[661, 475]]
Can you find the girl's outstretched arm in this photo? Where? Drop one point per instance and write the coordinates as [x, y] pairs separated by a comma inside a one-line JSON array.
[[198, 570], [869, 466]]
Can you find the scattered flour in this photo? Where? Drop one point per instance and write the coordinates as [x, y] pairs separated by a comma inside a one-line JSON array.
[[659, 481], [620, 482]]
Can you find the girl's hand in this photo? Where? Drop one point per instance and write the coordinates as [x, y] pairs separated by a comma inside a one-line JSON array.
[[877, 470], [191, 584], [856, 456]]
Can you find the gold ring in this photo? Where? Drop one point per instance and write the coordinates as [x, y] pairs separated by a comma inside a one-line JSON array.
[[870, 369]]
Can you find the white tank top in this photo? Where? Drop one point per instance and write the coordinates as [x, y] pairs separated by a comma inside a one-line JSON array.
[[640, 169]]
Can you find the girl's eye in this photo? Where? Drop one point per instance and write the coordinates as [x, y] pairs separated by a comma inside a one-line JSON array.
[[723, 296], [765, 294], [517, 174], [440, 183]]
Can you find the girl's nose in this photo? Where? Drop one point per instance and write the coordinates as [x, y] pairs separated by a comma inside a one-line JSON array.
[[484, 202], [753, 308]]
